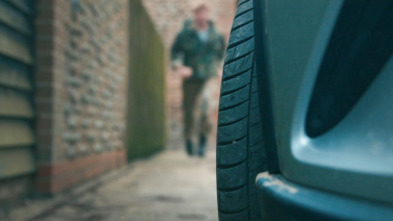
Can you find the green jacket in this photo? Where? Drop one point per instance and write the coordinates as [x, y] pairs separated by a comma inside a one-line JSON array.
[[190, 51]]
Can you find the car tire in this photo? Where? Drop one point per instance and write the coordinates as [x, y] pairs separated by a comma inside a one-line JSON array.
[[240, 147]]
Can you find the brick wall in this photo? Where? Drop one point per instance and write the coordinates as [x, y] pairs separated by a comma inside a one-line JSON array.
[[168, 16], [81, 85]]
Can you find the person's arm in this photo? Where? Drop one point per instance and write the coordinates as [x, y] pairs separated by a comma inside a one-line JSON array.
[[220, 51], [220, 48], [177, 57], [177, 52]]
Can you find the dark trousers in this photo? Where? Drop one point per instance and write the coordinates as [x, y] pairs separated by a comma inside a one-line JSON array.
[[195, 109]]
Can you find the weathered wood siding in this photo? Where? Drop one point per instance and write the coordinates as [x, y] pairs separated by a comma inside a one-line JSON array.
[[16, 88]]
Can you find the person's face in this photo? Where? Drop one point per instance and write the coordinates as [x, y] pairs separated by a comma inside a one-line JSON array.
[[201, 15]]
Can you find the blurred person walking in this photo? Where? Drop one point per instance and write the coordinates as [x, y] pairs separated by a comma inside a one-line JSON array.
[[196, 54]]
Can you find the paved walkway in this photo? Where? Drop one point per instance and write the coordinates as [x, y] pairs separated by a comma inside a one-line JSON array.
[[168, 187]]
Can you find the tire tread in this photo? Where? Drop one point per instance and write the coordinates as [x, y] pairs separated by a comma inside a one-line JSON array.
[[240, 153]]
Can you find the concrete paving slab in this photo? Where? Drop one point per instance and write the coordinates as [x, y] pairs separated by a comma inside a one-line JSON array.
[[168, 187]]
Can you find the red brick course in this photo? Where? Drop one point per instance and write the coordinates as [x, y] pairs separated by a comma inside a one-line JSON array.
[[56, 177]]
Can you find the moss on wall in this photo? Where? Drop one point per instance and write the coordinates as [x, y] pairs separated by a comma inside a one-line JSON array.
[[146, 106]]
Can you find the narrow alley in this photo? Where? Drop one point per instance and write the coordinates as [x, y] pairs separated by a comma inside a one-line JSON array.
[[92, 117]]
